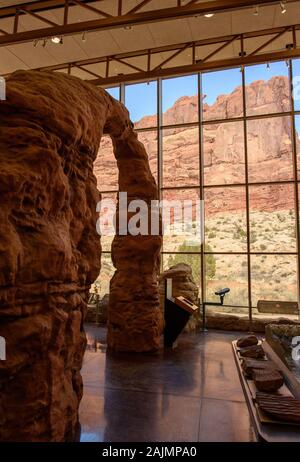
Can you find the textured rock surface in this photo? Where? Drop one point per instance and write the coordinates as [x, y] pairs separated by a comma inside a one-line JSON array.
[[183, 285], [267, 380], [250, 365], [253, 351], [235, 323], [50, 130], [268, 141], [247, 340], [135, 321]]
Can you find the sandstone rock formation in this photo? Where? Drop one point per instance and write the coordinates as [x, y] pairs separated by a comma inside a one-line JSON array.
[[253, 351], [247, 340], [250, 365], [267, 380], [279, 407], [50, 131], [229, 322], [134, 321], [182, 285]]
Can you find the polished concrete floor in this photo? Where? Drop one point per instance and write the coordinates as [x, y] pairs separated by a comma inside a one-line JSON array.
[[186, 395]]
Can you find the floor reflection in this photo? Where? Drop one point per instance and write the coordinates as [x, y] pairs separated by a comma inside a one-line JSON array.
[[189, 394]]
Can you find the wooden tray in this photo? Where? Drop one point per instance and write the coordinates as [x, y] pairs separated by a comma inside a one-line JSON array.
[[265, 428]]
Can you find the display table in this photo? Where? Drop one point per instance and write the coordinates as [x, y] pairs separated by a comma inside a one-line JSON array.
[[265, 428]]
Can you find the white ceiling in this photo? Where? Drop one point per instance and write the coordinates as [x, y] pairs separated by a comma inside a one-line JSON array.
[[26, 56]]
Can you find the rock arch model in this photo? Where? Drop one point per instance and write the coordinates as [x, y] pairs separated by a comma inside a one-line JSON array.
[[50, 131]]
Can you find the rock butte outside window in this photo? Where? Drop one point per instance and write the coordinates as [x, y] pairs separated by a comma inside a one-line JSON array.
[[246, 157]]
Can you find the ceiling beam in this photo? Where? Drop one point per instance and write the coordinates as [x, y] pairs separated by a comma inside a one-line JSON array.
[[37, 6], [149, 74], [198, 67], [144, 17], [175, 49]]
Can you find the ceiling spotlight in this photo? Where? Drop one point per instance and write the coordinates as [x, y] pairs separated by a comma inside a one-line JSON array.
[[256, 11], [56, 40], [268, 66], [83, 38], [287, 63], [44, 43], [209, 15], [35, 43], [127, 27], [283, 7]]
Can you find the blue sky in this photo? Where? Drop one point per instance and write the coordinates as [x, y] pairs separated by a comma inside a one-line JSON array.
[[141, 99]]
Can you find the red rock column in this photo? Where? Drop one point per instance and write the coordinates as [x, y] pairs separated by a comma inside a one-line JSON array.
[[50, 130], [134, 321]]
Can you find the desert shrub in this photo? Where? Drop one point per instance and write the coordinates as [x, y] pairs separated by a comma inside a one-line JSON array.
[[193, 261], [239, 233]]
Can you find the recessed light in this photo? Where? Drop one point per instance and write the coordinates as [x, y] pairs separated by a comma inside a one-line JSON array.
[[209, 15], [283, 7], [56, 40], [127, 27], [256, 11]]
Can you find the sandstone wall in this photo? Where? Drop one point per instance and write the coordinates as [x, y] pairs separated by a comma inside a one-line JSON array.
[[50, 131]]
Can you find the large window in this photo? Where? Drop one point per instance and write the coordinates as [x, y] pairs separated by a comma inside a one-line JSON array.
[[141, 102], [180, 100], [238, 148]]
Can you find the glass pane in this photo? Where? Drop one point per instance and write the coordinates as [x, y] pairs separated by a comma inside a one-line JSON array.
[[149, 140], [267, 88], [225, 219], [297, 124], [105, 166], [296, 84], [181, 220], [180, 100], [181, 157], [194, 261], [101, 285], [114, 92], [272, 218], [222, 94], [273, 277], [224, 153], [270, 149], [227, 271], [141, 102], [105, 225]]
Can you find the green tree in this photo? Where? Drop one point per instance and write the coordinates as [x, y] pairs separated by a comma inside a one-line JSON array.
[[194, 260]]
